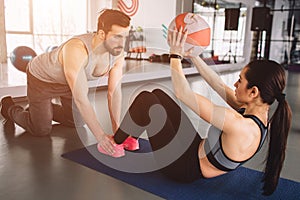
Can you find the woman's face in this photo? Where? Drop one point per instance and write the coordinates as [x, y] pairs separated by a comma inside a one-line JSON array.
[[241, 91]]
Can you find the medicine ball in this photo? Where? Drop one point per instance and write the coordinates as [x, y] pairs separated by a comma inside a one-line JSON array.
[[21, 56], [198, 29]]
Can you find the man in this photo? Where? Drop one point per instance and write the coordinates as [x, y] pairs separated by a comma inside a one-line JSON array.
[[65, 72]]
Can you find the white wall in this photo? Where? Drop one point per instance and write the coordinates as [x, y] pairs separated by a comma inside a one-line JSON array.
[[94, 7], [150, 16]]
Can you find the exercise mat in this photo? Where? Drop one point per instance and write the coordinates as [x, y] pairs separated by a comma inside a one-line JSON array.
[[242, 183]]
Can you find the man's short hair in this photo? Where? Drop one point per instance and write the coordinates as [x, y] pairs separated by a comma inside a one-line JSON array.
[[109, 17]]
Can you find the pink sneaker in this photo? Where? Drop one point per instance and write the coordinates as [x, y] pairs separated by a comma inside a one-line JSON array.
[[119, 150], [131, 144]]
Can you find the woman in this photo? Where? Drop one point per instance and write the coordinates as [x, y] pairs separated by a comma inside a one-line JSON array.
[[237, 134]]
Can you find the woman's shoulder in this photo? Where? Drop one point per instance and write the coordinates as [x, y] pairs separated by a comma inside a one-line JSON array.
[[240, 127]]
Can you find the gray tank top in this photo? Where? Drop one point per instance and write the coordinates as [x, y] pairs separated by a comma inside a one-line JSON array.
[[214, 150], [46, 67]]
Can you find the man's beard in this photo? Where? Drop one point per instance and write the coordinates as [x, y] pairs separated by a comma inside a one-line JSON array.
[[113, 51]]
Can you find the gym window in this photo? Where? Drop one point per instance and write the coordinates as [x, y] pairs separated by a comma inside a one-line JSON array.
[[227, 42], [42, 23]]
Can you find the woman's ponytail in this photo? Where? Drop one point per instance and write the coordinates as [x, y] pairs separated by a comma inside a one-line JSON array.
[[280, 125]]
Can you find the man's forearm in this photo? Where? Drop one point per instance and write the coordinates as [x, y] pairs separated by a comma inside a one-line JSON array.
[[114, 106], [89, 116]]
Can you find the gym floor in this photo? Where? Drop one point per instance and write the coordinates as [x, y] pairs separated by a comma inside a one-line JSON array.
[[32, 168]]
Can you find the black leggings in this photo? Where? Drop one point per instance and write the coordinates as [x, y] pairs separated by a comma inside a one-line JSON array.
[[168, 129]]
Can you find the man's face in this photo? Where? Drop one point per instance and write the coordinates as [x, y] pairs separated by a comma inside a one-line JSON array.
[[115, 39]]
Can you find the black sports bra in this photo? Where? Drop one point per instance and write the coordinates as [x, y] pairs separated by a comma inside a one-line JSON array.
[[214, 150]]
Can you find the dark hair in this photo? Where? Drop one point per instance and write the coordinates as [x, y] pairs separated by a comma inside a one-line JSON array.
[[269, 77], [109, 17]]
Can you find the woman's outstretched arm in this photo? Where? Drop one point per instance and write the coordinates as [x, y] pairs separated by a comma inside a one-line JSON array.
[[202, 106], [215, 81]]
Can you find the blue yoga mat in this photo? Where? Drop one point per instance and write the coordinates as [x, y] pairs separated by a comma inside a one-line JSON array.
[[242, 183]]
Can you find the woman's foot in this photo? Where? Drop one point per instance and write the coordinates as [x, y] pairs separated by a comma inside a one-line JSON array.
[[131, 144], [119, 150]]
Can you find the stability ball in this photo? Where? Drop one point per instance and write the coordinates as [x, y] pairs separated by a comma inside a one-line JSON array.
[[21, 56]]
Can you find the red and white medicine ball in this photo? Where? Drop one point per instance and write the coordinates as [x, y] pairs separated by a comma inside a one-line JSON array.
[[198, 31]]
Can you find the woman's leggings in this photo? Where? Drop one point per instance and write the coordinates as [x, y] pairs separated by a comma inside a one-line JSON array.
[[170, 133]]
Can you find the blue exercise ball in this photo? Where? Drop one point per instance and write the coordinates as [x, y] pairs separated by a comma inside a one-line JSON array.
[[21, 56]]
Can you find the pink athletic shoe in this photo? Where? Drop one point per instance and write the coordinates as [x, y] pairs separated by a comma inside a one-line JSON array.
[[131, 144], [119, 150]]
